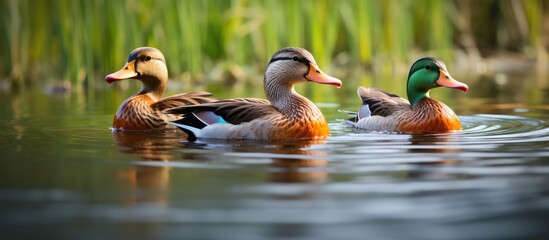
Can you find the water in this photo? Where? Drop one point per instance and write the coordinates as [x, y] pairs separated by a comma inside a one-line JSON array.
[[65, 175]]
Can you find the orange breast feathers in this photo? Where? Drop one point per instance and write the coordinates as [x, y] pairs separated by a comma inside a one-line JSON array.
[[430, 116], [316, 129], [136, 114]]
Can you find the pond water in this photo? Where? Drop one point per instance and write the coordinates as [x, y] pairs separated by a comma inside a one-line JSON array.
[[65, 175]]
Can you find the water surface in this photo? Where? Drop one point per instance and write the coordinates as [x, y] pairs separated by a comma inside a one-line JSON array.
[[65, 175]]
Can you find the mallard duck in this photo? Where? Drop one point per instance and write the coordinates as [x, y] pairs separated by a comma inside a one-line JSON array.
[[285, 115], [143, 111], [382, 111]]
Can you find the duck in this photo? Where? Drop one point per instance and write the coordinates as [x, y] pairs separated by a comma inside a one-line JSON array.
[[144, 110], [383, 111], [284, 115]]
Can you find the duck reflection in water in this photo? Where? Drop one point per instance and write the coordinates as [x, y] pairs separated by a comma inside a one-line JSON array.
[[150, 182], [154, 145], [292, 161], [433, 143], [441, 148], [310, 169]]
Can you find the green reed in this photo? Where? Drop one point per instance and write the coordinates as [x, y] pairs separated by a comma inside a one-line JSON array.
[[81, 41]]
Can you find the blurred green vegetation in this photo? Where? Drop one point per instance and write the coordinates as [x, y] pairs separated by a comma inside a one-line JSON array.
[[80, 41]]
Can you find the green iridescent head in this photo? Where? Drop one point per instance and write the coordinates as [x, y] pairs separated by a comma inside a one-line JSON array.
[[428, 73]]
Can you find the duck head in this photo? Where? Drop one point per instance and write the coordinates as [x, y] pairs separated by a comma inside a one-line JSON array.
[[290, 66], [428, 73], [147, 65]]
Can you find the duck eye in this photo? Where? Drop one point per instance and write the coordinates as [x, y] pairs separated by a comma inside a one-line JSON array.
[[295, 58], [428, 67], [148, 58]]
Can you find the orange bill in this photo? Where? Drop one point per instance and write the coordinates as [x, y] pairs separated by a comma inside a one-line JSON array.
[[318, 76], [446, 80], [127, 72]]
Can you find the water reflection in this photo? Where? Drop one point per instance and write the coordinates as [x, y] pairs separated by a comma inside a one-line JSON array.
[[435, 146], [432, 143], [149, 183], [289, 161], [310, 168], [289, 170], [155, 145], [284, 162]]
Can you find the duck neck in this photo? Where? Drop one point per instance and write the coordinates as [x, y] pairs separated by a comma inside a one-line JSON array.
[[418, 86], [154, 88], [416, 95], [290, 103]]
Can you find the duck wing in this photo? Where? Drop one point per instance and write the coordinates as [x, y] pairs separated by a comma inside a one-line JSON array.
[[382, 103], [183, 99], [234, 111]]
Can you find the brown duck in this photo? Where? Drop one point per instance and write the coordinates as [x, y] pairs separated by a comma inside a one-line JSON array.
[[286, 115], [143, 111]]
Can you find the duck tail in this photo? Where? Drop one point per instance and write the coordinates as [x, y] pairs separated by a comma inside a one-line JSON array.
[[364, 112], [192, 123]]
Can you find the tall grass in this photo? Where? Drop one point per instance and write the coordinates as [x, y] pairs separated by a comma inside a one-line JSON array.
[[80, 41]]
